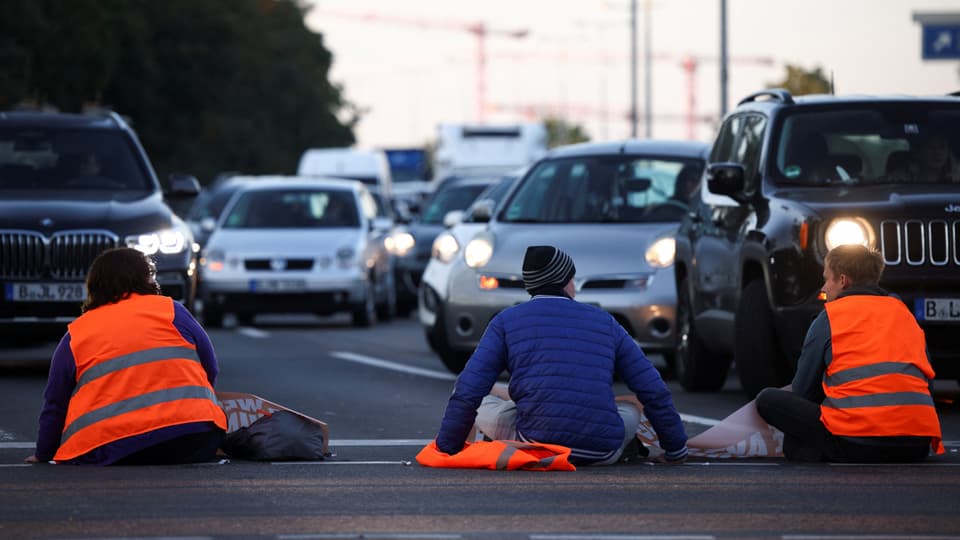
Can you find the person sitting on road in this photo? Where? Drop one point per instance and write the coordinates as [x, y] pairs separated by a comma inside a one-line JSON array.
[[862, 387], [562, 356], [131, 381]]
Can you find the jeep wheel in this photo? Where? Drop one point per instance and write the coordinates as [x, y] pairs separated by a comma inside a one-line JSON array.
[[693, 365], [365, 312], [760, 360]]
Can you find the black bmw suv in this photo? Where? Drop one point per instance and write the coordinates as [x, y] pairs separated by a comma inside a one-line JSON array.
[[787, 179], [71, 186]]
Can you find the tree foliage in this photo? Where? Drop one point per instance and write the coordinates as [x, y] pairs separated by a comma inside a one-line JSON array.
[[560, 132], [209, 86], [800, 81]]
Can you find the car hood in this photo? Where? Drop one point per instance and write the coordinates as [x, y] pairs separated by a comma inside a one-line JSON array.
[[284, 242], [596, 249], [944, 199], [84, 210]]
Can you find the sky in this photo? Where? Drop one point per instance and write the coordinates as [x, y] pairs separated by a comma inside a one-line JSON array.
[[412, 64]]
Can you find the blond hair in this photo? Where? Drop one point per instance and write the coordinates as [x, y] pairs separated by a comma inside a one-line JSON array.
[[861, 264]]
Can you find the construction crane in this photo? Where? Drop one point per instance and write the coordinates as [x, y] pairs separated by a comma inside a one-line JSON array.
[[478, 29], [688, 62]]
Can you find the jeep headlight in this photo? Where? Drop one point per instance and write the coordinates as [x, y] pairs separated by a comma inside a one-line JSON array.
[[445, 247], [842, 231], [661, 253], [478, 251], [166, 241]]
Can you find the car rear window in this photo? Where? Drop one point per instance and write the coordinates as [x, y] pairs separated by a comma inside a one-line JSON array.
[[293, 209]]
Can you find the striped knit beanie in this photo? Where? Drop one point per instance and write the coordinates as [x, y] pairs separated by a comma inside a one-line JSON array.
[[545, 266]]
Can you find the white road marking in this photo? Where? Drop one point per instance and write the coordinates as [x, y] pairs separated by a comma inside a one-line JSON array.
[[393, 366], [30, 445], [252, 332]]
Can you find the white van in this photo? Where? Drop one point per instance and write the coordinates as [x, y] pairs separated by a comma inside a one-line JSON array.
[[368, 166]]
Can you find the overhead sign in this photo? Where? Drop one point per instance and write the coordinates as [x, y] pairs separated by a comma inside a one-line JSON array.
[[941, 42]]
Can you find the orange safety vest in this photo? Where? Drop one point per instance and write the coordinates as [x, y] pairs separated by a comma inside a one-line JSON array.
[[877, 384], [135, 374], [499, 455]]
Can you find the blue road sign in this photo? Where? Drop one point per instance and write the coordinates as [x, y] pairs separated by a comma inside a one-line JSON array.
[[941, 41]]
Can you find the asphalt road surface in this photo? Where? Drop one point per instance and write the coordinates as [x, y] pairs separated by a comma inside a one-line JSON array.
[[382, 393]]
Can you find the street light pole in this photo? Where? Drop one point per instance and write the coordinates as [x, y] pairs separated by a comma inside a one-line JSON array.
[[633, 69], [723, 58]]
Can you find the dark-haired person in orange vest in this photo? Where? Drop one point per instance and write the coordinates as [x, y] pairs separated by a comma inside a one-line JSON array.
[[131, 382], [862, 391]]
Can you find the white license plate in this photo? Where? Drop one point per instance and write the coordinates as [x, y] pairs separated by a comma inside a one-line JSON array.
[[938, 309], [277, 285], [46, 292]]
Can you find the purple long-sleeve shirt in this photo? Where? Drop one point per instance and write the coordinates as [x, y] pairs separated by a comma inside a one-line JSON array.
[[63, 379]]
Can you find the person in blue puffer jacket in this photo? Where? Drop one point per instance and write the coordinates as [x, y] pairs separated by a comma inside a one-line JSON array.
[[562, 356]]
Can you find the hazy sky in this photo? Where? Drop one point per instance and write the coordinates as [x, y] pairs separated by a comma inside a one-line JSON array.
[[413, 65]]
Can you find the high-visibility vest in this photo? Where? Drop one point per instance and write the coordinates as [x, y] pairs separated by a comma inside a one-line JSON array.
[[499, 455], [135, 374], [877, 384]]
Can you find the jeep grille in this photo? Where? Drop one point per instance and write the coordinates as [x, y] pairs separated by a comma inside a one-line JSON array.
[[64, 255], [915, 242]]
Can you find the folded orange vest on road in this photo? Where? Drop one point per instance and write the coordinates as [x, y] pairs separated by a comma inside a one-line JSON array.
[[499, 455]]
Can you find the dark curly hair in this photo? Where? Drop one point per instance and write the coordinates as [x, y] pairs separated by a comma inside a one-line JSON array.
[[116, 274]]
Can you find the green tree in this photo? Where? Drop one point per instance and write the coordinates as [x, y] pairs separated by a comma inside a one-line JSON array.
[[209, 86], [560, 132], [800, 81]]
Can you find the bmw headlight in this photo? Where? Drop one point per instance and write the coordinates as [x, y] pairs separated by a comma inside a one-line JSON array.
[[478, 251], [445, 247], [167, 241], [842, 231], [399, 243], [661, 253]]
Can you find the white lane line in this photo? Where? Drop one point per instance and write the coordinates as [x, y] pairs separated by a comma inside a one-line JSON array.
[[383, 536], [394, 366], [334, 462], [621, 537], [252, 332], [17, 445], [380, 442]]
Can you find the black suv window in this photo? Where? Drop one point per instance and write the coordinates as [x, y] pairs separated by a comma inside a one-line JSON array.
[[89, 160], [868, 144]]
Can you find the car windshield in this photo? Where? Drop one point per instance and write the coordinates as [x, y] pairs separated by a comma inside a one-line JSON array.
[[69, 159], [603, 189], [455, 197], [293, 209], [865, 144], [210, 204]]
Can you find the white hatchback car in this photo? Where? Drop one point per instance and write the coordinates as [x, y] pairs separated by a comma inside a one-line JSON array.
[[298, 244]]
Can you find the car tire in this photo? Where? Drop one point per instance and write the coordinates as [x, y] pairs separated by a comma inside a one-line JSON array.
[[212, 317], [696, 368], [387, 309], [760, 360], [365, 312], [452, 359]]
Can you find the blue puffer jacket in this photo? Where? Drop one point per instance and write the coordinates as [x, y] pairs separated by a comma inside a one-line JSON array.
[[562, 356]]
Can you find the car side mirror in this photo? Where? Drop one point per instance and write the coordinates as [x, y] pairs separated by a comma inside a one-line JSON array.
[[452, 218], [207, 224], [482, 211], [726, 179], [183, 185]]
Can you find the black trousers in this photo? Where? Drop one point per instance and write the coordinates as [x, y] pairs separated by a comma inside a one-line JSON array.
[[806, 439], [192, 448]]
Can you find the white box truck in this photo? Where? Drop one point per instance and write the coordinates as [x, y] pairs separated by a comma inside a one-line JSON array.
[[486, 149]]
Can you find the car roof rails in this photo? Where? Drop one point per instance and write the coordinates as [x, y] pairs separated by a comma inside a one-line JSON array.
[[778, 94]]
